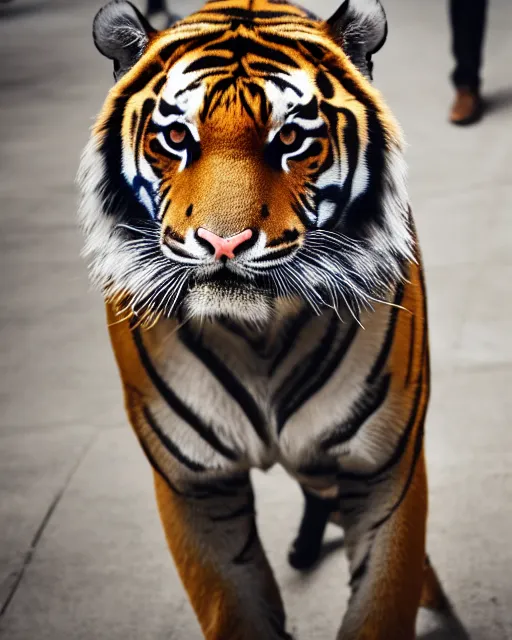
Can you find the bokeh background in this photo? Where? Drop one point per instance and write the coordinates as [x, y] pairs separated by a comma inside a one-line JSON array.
[[82, 555]]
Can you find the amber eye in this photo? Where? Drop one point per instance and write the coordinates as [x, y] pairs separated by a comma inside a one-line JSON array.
[[177, 134], [288, 135]]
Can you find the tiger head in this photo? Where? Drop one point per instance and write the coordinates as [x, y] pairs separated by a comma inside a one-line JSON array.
[[243, 161]]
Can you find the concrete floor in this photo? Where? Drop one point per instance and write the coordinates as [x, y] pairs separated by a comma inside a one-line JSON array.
[[82, 556]]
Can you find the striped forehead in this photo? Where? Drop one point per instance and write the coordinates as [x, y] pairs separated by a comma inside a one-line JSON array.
[[184, 94], [287, 93]]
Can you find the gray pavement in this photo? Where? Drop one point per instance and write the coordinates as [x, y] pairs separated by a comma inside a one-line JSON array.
[[82, 555]]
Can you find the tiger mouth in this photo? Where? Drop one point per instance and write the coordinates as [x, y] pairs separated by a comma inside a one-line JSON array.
[[225, 294], [224, 280]]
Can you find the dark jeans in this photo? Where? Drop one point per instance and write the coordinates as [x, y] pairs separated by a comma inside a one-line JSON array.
[[154, 6], [468, 26]]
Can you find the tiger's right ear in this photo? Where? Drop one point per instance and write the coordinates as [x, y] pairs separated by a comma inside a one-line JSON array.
[[121, 33], [360, 28]]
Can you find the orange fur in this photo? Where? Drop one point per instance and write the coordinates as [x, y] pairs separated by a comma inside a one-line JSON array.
[[215, 600]]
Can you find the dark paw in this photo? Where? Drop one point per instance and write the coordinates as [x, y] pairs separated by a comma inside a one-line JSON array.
[[303, 558]]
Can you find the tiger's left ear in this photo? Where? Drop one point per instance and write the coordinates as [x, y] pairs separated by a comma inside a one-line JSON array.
[[122, 34], [360, 28]]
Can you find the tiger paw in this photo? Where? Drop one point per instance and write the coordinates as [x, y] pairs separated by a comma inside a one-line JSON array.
[[303, 557]]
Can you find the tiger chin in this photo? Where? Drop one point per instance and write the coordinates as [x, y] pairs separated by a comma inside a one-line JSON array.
[[245, 212]]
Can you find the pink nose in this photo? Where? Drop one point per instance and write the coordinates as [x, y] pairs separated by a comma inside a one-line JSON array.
[[224, 246]]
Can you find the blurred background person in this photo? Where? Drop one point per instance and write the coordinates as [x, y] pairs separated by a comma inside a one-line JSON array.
[[155, 6], [158, 13], [468, 18]]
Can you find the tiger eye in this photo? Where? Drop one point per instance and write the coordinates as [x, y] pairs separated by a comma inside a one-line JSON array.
[[176, 135], [288, 136]]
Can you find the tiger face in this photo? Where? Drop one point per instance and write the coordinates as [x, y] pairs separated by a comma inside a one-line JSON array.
[[243, 162]]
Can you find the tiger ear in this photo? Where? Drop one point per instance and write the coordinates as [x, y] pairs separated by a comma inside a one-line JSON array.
[[360, 28], [121, 33]]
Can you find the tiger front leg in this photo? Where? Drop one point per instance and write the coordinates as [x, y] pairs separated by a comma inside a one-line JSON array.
[[211, 532], [387, 559]]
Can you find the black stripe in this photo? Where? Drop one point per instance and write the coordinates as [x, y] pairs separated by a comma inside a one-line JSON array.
[[122, 203], [367, 209], [284, 84], [274, 255], [302, 374], [325, 85], [266, 67], [425, 354], [371, 403], [411, 350], [382, 358], [203, 492], [308, 111], [314, 53], [186, 414], [209, 62], [351, 145], [319, 371], [165, 192], [234, 12], [241, 47], [213, 489], [258, 344], [192, 85], [290, 235], [314, 149], [159, 84], [180, 252], [195, 43], [343, 76], [230, 383], [237, 481], [375, 476], [245, 510], [359, 571], [144, 78], [418, 445], [402, 444], [242, 556], [300, 212], [167, 109], [134, 124], [169, 445], [265, 106], [170, 49], [353, 495], [156, 467], [145, 113], [246, 105]]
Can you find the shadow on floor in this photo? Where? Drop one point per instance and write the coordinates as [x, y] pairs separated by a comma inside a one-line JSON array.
[[499, 100], [441, 626]]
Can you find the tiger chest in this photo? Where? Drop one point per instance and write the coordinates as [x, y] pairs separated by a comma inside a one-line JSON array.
[[228, 402]]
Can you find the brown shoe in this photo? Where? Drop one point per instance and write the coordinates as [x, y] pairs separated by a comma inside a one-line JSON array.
[[467, 107]]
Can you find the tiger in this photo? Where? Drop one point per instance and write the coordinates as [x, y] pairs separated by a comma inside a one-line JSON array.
[[246, 217]]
